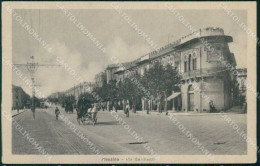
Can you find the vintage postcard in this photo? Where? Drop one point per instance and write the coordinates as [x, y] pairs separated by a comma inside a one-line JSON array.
[[129, 82]]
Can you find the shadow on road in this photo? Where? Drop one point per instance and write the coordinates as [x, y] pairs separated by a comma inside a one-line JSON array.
[[107, 123]]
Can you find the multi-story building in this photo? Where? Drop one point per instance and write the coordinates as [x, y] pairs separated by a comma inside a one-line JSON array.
[[197, 57], [55, 95], [119, 73], [80, 89], [100, 79], [20, 98], [110, 71]]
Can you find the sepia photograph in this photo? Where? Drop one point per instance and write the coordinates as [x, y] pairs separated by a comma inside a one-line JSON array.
[[129, 82]]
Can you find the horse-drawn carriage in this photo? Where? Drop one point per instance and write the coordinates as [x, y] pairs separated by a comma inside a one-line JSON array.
[[69, 102], [89, 118], [69, 108], [87, 112]]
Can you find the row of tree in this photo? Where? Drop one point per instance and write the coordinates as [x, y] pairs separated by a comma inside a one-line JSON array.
[[156, 84]]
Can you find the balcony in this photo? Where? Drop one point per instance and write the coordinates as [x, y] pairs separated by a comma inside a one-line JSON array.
[[205, 72]]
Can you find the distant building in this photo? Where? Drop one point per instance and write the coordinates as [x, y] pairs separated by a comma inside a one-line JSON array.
[[204, 77], [56, 95], [80, 89], [100, 79], [110, 72], [20, 98]]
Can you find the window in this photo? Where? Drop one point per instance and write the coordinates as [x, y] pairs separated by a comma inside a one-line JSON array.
[[243, 84], [185, 66], [194, 64], [176, 64], [171, 59], [189, 62]]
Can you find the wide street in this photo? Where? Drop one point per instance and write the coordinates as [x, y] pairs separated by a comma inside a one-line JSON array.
[[110, 137]]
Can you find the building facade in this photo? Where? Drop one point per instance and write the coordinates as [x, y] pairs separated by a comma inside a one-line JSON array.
[[110, 72], [100, 79], [20, 98], [241, 78], [79, 89], [197, 58]]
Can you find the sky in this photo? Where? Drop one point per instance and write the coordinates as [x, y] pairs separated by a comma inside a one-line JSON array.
[[117, 36]]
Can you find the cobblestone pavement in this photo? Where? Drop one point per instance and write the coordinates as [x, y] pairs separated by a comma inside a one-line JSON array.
[[212, 131]]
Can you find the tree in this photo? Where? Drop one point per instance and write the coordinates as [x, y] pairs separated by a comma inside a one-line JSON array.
[[131, 90], [111, 91], [160, 81], [61, 100]]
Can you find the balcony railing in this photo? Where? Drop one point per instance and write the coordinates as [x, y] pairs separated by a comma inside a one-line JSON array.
[[203, 72]]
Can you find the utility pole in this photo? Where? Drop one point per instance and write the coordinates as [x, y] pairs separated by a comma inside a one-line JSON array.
[[32, 67]]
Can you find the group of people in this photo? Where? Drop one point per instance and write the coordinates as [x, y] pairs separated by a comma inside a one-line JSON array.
[[84, 108]]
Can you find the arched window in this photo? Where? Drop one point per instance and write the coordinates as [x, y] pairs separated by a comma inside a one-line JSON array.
[[185, 66], [194, 62], [177, 65], [191, 89], [185, 58], [189, 62], [172, 59]]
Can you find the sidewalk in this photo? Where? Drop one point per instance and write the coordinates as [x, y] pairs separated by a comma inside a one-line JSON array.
[[183, 113], [200, 114], [141, 112], [178, 113], [14, 112]]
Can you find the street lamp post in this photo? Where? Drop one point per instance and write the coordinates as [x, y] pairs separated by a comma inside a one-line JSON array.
[[32, 68]]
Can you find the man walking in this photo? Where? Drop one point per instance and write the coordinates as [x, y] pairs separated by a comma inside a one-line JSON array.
[[57, 112], [127, 108]]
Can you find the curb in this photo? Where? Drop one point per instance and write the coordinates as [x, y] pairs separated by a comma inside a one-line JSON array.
[[181, 114], [203, 114], [19, 113]]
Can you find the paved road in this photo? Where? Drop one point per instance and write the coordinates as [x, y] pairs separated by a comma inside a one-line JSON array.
[[110, 137]]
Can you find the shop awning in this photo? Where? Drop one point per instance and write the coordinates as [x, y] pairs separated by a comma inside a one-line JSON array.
[[173, 95]]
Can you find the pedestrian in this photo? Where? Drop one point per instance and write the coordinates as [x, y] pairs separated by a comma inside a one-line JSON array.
[[78, 109], [147, 106], [159, 106], [116, 105], [94, 111], [33, 110], [212, 107], [127, 108], [103, 106], [57, 112]]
